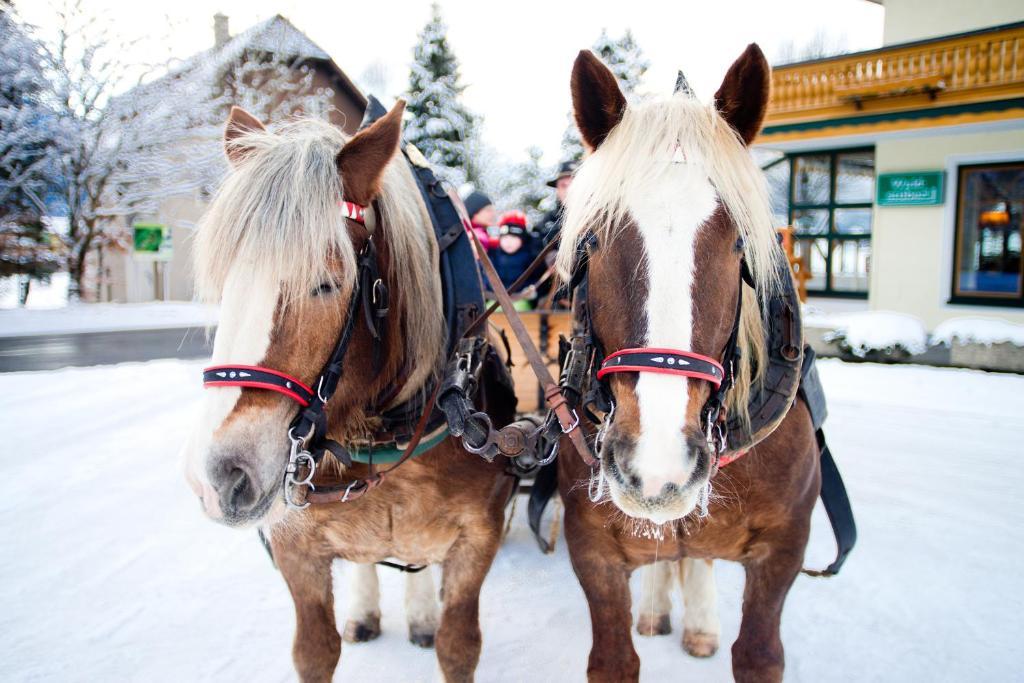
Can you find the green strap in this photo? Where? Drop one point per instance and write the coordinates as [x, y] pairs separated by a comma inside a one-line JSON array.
[[391, 454]]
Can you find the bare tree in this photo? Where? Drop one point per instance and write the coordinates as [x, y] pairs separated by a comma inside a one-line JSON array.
[[821, 44], [131, 134]]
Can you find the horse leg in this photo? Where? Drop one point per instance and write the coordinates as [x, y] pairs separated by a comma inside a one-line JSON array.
[[421, 608], [363, 622], [458, 635], [757, 654], [700, 618], [604, 577], [317, 645], [655, 601]]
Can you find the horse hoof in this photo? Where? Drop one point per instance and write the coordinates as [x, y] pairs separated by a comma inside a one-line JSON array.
[[362, 631], [648, 625], [699, 644], [423, 639]]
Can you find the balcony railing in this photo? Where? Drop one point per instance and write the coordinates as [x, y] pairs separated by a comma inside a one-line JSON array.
[[972, 67]]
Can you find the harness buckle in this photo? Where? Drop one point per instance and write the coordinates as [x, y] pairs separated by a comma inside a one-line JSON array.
[[575, 422], [298, 457]]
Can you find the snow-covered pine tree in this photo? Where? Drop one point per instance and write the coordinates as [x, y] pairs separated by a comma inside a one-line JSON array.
[[626, 60], [528, 186], [439, 125], [27, 248]]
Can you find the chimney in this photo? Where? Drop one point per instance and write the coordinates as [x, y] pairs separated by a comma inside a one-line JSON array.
[[220, 30]]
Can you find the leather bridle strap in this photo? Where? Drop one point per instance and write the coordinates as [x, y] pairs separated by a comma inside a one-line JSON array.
[[665, 362], [567, 416], [255, 377]]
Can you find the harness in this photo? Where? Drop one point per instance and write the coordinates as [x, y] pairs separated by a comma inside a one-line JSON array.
[[585, 379]]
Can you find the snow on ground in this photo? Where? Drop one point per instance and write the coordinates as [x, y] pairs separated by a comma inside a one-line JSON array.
[[108, 571], [105, 318], [49, 294], [978, 330]]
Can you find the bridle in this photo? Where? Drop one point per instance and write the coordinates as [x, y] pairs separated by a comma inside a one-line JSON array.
[[586, 378], [307, 432]]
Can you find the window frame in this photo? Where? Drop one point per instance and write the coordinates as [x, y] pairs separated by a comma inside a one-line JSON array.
[[832, 235], [981, 298]]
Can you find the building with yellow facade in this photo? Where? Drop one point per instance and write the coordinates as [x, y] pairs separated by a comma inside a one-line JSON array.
[[902, 168]]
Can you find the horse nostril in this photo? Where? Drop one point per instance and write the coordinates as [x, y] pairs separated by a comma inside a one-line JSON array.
[[240, 494], [235, 487]]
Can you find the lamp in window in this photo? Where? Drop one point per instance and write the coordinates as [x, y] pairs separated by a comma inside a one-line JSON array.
[[995, 217]]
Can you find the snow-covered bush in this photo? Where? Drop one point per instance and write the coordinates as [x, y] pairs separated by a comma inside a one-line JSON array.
[[985, 331], [876, 334]]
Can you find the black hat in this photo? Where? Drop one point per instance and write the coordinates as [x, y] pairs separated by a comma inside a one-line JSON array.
[[476, 201], [566, 168]]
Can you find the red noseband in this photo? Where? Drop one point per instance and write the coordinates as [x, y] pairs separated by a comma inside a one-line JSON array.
[[664, 362], [255, 377]]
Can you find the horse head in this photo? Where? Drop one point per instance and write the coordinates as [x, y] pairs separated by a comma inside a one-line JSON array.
[[675, 204], [279, 252]]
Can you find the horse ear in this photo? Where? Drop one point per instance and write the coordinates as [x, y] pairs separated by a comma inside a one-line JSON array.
[[597, 102], [742, 99], [239, 123], [363, 159]]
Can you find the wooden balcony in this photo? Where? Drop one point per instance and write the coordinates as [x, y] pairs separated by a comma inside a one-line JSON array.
[[969, 68]]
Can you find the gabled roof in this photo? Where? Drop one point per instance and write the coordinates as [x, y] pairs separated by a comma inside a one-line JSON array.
[[276, 35]]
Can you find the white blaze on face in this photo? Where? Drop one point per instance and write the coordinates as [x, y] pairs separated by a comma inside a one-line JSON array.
[[243, 336], [668, 216]]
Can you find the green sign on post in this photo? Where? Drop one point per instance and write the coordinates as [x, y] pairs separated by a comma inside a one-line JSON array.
[[923, 188], [151, 242]]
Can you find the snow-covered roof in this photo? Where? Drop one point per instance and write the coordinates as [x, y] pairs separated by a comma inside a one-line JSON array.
[[276, 35]]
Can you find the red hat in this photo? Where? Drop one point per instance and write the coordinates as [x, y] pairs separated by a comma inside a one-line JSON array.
[[517, 218]]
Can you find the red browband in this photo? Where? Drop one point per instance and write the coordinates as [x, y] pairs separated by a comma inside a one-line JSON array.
[[665, 362]]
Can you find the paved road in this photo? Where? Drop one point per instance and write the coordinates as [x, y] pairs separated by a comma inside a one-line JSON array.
[[49, 352]]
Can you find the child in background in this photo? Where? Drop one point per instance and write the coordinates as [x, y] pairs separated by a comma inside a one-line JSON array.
[[483, 217], [516, 249]]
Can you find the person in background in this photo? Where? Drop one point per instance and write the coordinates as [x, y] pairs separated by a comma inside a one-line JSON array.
[[551, 225], [516, 250], [483, 216]]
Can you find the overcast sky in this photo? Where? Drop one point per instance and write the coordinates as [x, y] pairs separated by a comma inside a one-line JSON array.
[[516, 56]]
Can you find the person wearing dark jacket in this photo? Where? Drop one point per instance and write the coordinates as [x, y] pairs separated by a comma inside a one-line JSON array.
[[550, 226], [516, 249]]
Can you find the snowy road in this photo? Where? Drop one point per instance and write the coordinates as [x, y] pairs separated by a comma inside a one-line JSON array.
[[109, 572]]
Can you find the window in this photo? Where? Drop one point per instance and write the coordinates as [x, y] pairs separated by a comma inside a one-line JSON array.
[[987, 257], [831, 198]]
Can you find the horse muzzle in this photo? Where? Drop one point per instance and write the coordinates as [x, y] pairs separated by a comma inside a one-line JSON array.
[[662, 494]]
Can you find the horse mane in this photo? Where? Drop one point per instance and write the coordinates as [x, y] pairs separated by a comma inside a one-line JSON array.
[[634, 155], [278, 214]]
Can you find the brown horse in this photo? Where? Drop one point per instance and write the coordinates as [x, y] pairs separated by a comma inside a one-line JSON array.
[[277, 252], [676, 205]]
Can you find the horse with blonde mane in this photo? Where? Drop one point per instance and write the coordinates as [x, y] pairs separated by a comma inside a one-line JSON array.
[[670, 216], [281, 256]]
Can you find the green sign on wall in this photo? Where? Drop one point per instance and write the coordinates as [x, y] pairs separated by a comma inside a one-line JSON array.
[[151, 242], [923, 188]]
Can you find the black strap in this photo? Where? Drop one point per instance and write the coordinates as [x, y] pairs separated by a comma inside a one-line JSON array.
[[407, 568], [310, 420], [837, 506], [545, 483]]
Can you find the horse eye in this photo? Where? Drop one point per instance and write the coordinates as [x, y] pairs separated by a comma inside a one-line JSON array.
[[324, 288]]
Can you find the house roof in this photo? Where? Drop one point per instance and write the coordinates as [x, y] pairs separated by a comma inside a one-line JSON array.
[[276, 35]]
